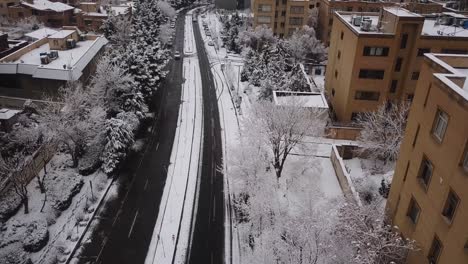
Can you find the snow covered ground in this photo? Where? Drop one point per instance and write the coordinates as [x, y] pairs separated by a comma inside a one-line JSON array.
[[171, 235]]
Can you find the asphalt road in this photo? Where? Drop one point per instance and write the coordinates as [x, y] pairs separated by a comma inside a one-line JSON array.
[[208, 236], [126, 225]]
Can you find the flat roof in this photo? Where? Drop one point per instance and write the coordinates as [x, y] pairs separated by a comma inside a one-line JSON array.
[[303, 99], [401, 12], [6, 113], [74, 60], [454, 72], [45, 5], [62, 34], [41, 33]]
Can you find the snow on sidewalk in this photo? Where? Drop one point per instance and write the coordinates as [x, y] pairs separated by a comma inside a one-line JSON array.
[[171, 235]]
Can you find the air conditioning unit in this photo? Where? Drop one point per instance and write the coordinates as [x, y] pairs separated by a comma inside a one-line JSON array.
[[53, 54], [71, 43], [45, 59], [82, 37], [366, 25], [357, 21]]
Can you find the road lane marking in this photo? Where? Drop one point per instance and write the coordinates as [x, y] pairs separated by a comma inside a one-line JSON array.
[[133, 224]]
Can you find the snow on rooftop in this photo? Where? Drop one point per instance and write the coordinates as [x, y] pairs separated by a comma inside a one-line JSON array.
[[6, 113], [41, 33], [373, 18], [62, 34], [48, 5], [432, 28], [401, 12], [304, 99], [119, 10]]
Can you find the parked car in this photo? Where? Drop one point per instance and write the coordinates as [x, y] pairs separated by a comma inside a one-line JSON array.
[[177, 55], [210, 43]]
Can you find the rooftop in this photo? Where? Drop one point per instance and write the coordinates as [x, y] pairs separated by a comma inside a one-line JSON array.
[[439, 25], [45, 5], [62, 34], [457, 68], [41, 33], [304, 99], [6, 113], [69, 64]]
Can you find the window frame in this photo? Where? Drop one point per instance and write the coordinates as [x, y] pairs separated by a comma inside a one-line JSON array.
[[403, 41], [435, 241], [375, 51], [422, 180], [393, 86], [371, 74], [451, 196], [398, 63], [435, 124], [362, 95], [413, 204]]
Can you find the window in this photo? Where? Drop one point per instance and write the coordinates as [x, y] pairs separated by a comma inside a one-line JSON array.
[[406, 171], [342, 35], [375, 51], [416, 135], [355, 115], [425, 172], [367, 95], [415, 76], [276, 13], [264, 8], [413, 211], [404, 40], [339, 54], [295, 20], [434, 252], [283, 13], [311, 6], [454, 51], [440, 125], [450, 206], [409, 97], [318, 4], [282, 24], [398, 63], [465, 159], [88, 22], [422, 51], [330, 21], [333, 91], [427, 95], [264, 19], [393, 86], [336, 74], [371, 74], [297, 10]]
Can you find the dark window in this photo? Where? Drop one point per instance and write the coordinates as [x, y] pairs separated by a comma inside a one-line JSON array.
[[276, 13], [410, 97], [336, 73], [339, 54], [355, 115], [434, 252], [398, 63], [416, 136], [415, 76], [349, 8], [371, 74], [413, 210], [393, 86], [450, 206], [425, 172], [283, 13], [454, 51], [333, 92], [440, 125], [311, 6], [464, 162], [375, 51], [282, 24], [422, 51], [318, 4], [342, 35], [330, 21], [367, 95], [404, 40]]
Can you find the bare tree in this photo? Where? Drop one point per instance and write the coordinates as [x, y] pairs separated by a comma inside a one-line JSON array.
[[257, 38], [18, 167], [73, 120], [303, 45], [383, 130], [281, 128], [373, 241]]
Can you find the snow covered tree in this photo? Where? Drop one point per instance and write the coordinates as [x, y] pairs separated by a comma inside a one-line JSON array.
[[373, 241], [166, 9], [18, 168], [73, 120], [383, 130], [117, 30], [120, 133], [303, 46], [257, 39], [165, 33], [231, 27], [282, 128], [312, 18]]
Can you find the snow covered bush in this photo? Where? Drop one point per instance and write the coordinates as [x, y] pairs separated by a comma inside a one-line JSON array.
[[10, 203], [14, 254], [63, 185], [120, 137], [91, 159], [232, 26], [303, 46], [36, 235]]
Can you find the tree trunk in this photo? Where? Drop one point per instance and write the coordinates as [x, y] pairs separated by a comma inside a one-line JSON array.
[[41, 184], [26, 205]]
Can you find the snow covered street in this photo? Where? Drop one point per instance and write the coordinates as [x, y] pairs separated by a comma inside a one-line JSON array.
[[171, 236]]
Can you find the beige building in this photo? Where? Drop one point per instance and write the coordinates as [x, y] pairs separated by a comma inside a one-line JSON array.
[[282, 16], [326, 9], [428, 198], [376, 57]]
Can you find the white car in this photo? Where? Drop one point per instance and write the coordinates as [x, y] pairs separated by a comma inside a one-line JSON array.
[[177, 55]]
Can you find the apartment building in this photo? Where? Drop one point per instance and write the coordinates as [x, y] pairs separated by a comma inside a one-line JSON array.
[[376, 57], [52, 14], [4, 4], [282, 16], [428, 198], [43, 66]]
